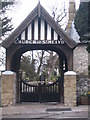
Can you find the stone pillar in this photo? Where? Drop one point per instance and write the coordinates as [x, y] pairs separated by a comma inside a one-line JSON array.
[[0, 99], [8, 92], [70, 88]]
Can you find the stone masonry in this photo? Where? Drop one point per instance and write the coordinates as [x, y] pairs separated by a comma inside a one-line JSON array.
[[70, 88], [71, 16], [81, 59], [0, 88], [8, 92], [83, 86]]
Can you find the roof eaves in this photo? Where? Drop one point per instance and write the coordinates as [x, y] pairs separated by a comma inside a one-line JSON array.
[[70, 42], [8, 41]]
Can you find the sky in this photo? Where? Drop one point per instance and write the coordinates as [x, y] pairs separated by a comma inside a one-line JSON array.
[[24, 7]]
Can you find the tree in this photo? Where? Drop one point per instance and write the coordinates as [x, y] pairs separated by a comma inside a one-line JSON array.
[[28, 66], [38, 63], [59, 14], [88, 48], [81, 21], [6, 25]]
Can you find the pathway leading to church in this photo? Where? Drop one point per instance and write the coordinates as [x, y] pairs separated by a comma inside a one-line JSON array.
[[45, 111]]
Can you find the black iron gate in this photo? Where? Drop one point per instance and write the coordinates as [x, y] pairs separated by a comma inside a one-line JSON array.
[[40, 92]]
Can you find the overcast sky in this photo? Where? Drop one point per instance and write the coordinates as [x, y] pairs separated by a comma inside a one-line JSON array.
[[24, 7]]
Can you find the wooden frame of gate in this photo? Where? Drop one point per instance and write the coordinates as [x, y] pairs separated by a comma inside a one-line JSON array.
[[40, 92], [38, 32]]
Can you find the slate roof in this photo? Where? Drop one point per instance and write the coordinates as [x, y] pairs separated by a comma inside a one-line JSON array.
[[8, 41]]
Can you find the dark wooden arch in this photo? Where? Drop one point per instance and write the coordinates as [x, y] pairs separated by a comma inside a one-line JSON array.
[[15, 54]]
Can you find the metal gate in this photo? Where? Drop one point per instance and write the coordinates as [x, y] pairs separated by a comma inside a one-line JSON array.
[[40, 92]]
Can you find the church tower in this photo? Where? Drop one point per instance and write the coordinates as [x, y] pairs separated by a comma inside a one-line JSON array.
[[72, 12]]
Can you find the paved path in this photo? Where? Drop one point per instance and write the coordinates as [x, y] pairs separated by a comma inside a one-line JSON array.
[[46, 111]]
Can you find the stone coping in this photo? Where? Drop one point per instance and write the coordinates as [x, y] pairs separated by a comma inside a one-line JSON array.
[[72, 73], [8, 73]]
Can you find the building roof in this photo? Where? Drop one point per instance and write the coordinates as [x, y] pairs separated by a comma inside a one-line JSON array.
[[38, 11], [73, 33]]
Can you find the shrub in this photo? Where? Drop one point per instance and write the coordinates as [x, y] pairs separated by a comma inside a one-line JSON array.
[[89, 69]]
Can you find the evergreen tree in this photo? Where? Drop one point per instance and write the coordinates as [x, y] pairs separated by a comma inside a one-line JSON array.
[[81, 21], [88, 48], [28, 66], [5, 22]]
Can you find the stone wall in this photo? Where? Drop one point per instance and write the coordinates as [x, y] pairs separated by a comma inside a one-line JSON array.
[[83, 86], [81, 59]]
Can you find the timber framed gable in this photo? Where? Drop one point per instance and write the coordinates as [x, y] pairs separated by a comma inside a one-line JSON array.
[[39, 28]]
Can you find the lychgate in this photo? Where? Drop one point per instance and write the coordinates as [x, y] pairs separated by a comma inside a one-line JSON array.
[[39, 32]]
